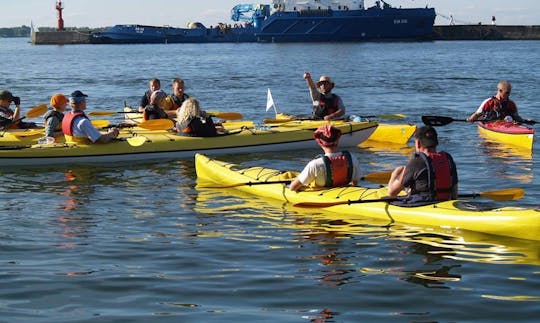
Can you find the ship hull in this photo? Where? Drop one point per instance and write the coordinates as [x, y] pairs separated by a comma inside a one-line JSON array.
[[324, 25]]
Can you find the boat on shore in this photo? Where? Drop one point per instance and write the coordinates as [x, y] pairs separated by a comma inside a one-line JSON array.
[[290, 21], [353, 203], [144, 145]]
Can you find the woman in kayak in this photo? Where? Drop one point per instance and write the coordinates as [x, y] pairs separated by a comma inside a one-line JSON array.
[[498, 107], [192, 121], [326, 105], [77, 127], [335, 168], [429, 175]]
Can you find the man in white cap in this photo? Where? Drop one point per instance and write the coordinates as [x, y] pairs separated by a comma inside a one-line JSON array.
[[335, 168], [326, 105]]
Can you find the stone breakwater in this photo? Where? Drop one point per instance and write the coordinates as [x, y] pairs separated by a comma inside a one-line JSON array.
[[450, 32]]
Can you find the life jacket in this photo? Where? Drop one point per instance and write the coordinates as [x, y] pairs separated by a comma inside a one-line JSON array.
[[500, 110], [53, 113], [440, 180], [154, 112], [200, 127], [67, 128], [339, 169], [326, 106], [177, 102]]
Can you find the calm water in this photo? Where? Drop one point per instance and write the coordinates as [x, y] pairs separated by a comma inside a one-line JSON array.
[[137, 243]]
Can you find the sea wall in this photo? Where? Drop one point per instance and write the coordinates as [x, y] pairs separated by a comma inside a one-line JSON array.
[[486, 32], [450, 32], [59, 38]]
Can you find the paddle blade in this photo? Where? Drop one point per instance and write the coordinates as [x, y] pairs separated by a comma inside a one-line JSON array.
[[101, 113], [27, 133], [136, 141], [37, 111], [156, 124], [509, 194], [100, 123], [397, 116], [228, 115], [436, 120], [378, 178]]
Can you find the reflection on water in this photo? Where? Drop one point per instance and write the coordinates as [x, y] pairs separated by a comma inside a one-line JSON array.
[[328, 229]]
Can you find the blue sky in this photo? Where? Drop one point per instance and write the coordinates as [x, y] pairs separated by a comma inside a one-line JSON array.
[[99, 13]]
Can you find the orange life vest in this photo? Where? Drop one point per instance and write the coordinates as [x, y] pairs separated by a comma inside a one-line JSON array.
[[339, 169]]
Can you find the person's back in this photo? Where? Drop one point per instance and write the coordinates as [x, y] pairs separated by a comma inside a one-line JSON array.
[[154, 110], [335, 168], [429, 175], [53, 118]]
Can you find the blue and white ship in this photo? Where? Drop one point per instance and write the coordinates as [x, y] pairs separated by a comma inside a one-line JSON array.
[[291, 21]]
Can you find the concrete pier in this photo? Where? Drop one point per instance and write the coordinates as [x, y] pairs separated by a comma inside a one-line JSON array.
[[59, 37], [486, 32], [450, 32]]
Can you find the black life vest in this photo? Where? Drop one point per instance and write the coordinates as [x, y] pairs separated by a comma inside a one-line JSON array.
[[339, 169], [326, 106], [154, 112], [177, 102], [200, 127]]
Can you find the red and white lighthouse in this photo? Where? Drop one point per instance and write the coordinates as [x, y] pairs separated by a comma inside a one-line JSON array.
[[59, 8]]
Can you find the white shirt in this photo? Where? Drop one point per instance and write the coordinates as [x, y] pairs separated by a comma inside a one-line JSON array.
[[82, 127]]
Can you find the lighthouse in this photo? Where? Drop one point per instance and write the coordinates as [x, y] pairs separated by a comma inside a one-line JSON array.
[[59, 8]]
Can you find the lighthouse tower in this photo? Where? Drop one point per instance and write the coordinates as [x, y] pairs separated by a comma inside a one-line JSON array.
[[59, 8]]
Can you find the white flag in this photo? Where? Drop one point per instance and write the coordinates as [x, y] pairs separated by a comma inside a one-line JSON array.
[[269, 101]]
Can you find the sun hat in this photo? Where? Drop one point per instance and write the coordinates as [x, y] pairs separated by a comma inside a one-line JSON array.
[[427, 136], [58, 100], [327, 135], [325, 78]]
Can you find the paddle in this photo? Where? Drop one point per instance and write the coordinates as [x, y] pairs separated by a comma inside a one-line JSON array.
[[439, 120], [443, 121], [378, 178], [226, 115], [217, 114], [156, 124], [508, 194], [37, 111], [100, 123]]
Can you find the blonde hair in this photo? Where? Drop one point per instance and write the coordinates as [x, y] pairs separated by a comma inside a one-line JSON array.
[[189, 109]]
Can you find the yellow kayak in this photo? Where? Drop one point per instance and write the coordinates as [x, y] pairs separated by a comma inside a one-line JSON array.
[[459, 214], [138, 145]]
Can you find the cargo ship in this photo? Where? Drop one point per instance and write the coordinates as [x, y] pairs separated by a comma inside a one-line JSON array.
[[290, 21]]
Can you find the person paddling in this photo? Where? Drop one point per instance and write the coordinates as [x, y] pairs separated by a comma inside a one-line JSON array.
[[498, 107], [76, 126], [429, 175], [326, 105], [335, 168]]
